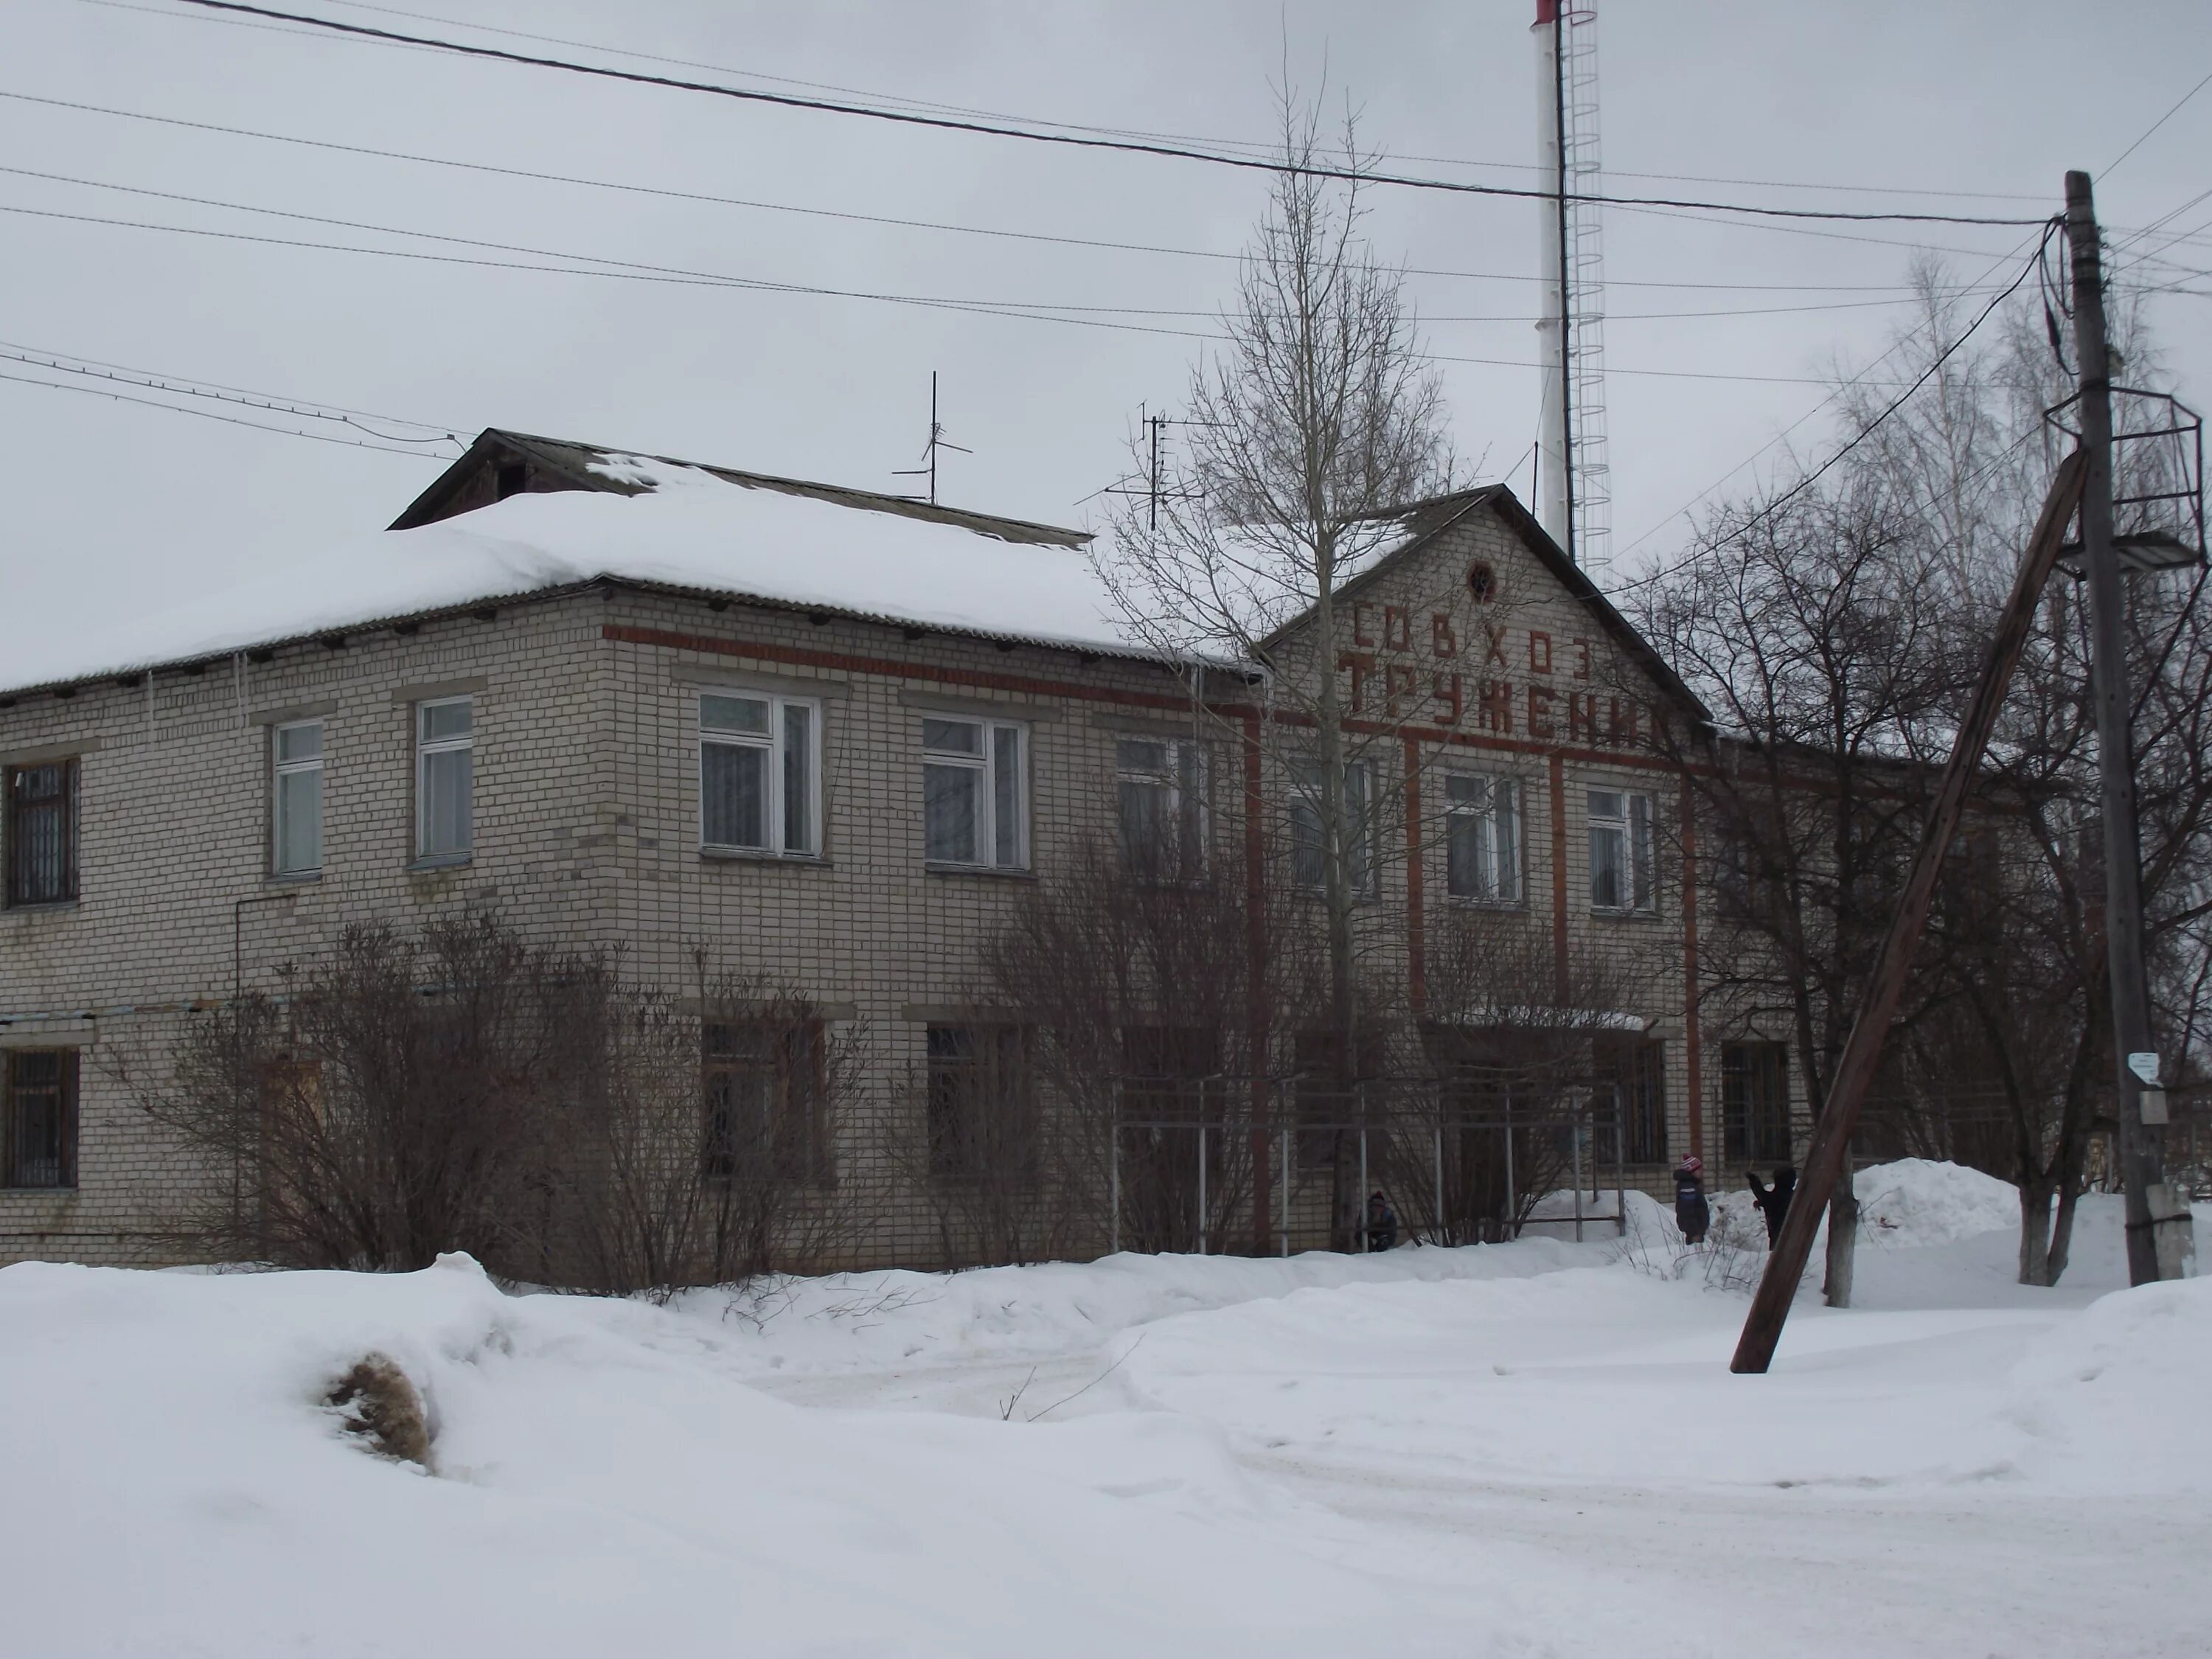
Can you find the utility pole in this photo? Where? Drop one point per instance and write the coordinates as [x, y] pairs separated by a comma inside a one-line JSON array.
[[2161, 1241]]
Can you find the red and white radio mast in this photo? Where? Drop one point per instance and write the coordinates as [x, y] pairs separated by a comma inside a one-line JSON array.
[[1574, 484]]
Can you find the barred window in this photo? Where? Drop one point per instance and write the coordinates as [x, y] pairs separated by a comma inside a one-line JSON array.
[[983, 1119], [1636, 1066], [764, 1100], [38, 1126], [1755, 1102], [42, 833]]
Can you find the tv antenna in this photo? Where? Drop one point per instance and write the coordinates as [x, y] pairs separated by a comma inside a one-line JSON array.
[[937, 441], [1154, 492]]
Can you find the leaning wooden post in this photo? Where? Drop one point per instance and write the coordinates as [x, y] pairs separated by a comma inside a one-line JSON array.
[[1832, 1132]]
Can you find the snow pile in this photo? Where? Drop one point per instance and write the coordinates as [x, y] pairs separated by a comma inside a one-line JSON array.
[[604, 1485], [853, 1322], [693, 529], [2115, 1399], [1915, 1202]]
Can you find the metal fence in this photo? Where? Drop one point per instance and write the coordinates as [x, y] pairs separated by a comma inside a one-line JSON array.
[[1456, 1160]]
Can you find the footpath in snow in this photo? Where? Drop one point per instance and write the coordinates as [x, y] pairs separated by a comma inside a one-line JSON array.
[[1528, 1449]]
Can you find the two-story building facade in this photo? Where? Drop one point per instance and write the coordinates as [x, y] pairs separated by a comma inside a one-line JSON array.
[[838, 739]]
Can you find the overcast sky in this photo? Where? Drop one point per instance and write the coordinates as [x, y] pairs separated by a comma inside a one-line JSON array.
[[128, 508]]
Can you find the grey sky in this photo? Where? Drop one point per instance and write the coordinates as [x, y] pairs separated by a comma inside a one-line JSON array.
[[132, 509]]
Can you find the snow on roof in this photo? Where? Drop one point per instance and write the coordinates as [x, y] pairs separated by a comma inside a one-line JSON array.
[[691, 530]]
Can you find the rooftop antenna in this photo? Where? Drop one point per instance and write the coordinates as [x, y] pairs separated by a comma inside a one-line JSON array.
[[928, 468], [1154, 490]]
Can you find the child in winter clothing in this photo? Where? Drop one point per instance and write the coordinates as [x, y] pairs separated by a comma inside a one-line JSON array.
[[1381, 1223], [1774, 1200], [1692, 1213]]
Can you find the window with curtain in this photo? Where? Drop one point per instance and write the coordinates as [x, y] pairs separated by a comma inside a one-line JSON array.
[[974, 788], [1622, 873], [445, 778], [1160, 800], [1308, 839], [295, 796], [760, 774], [1482, 838]]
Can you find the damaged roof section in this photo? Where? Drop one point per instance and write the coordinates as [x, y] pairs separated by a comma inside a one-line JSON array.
[[501, 464]]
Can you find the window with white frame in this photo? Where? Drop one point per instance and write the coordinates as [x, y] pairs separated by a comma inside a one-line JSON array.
[[1482, 838], [760, 774], [1160, 794], [975, 790], [445, 778], [296, 797], [1308, 837], [1621, 859]]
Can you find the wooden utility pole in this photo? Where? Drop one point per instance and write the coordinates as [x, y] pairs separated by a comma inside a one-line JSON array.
[[2161, 1240], [1832, 1132]]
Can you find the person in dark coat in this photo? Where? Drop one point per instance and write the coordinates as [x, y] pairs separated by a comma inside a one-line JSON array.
[[1692, 1213], [1381, 1223], [1774, 1200]]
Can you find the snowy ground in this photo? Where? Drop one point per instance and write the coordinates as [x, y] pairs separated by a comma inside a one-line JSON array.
[[1525, 1449]]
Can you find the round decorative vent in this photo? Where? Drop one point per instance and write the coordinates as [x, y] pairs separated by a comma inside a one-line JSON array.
[[1482, 581]]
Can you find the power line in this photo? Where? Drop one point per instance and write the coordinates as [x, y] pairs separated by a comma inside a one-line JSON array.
[[996, 129], [148, 380], [1864, 432], [211, 415], [640, 271], [1900, 290], [901, 100], [2155, 125]]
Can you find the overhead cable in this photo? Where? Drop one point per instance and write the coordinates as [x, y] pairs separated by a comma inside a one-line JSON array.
[[1081, 141]]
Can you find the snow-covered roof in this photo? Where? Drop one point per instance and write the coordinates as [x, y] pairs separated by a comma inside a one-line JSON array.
[[684, 527]]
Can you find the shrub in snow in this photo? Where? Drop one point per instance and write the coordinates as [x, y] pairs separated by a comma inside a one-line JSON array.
[[376, 1402]]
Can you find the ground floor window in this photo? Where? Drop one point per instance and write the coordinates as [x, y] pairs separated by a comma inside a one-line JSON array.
[[38, 1124], [764, 1089], [1755, 1102], [984, 1121], [1636, 1066]]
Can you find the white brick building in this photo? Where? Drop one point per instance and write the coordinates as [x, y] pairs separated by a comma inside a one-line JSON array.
[[812, 764]]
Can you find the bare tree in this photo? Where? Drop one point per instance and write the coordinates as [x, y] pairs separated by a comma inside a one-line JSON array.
[[1837, 629], [531, 1105], [1310, 433], [380, 1112], [696, 1138]]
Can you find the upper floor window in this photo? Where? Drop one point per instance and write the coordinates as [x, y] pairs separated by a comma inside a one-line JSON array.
[[1160, 790], [759, 776], [1621, 872], [974, 793], [1482, 838], [38, 1118], [1309, 831], [445, 778], [296, 799], [41, 832]]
